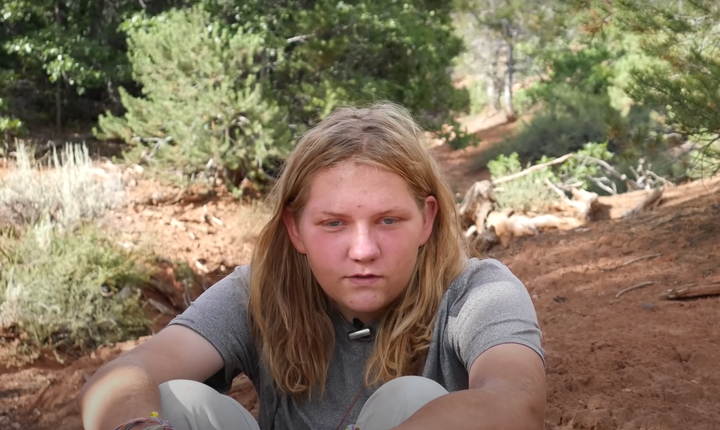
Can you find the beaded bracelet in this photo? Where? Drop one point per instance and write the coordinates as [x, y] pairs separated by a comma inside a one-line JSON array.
[[157, 423]]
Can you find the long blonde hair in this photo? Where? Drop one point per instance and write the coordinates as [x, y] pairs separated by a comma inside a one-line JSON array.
[[289, 312]]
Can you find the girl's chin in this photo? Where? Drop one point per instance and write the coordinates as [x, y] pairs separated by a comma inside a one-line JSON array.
[[365, 313]]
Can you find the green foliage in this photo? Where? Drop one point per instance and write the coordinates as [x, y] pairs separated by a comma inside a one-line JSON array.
[[57, 270], [671, 67], [51, 290], [579, 168], [573, 101], [531, 191], [527, 193], [231, 93], [205, 106], [64, 40], [558, 128], [9, 125], [328, 53], [685, 78]]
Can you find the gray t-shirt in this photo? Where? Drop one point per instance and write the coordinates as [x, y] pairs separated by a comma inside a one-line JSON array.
[[485, 306]]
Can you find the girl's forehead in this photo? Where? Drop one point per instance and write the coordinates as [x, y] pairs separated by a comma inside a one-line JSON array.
[[353, 187]]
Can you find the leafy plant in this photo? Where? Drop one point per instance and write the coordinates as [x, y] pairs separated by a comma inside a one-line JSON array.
[[76, 290]]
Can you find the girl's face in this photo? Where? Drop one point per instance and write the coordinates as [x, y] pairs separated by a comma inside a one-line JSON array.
[[361, 230]]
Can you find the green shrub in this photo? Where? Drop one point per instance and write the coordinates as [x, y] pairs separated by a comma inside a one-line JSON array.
[[563, 126], [531, 192], [10, 127], [204, 110], [72, 290], [527, 193]]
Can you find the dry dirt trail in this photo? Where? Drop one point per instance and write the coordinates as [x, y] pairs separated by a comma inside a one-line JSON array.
[[629, 363]]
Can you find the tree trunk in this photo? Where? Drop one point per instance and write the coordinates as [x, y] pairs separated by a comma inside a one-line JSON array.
[[495, 82], [58, 82], [509, 71], [58, 105]]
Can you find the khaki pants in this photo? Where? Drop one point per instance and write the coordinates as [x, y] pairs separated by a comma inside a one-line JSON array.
[[190, 405]]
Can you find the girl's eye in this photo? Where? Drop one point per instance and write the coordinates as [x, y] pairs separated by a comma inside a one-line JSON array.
[[388, 221], [333, 223]]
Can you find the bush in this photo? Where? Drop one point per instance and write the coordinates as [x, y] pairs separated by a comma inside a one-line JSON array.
[[531, 193], [527, 193], [9, 125], [204, 109], [559, 128], [73, 290], [65, 194]]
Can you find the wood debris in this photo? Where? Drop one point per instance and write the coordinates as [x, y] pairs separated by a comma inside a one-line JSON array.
[[574, 209], [690, 291], [651, 200], [162, 308]]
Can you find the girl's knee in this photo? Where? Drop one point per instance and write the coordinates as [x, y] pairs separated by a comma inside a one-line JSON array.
[[192, 405], [396, 401], [186, 392], [411, 387]]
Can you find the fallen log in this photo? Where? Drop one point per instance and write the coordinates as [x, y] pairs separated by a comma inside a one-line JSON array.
[[651, 199], [478, 202]]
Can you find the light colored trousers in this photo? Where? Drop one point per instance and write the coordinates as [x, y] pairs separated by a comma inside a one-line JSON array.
[[190, 405]]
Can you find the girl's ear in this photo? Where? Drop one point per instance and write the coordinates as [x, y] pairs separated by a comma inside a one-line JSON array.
[[429, 214], [293, 231]]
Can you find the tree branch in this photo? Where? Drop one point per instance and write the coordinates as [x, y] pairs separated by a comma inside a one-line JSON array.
[[599, 183], [299, 39], [533, 169]]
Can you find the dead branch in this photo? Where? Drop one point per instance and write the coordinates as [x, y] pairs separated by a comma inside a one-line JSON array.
[[600, 183], [690, 291], [555, 188], [298, 39], [634, 287], [629, 262], [161, 307], [605, 166], [533, 169], [659, 178], [652, 198]]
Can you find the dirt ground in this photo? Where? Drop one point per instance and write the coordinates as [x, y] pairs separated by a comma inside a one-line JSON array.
[[631, 362]]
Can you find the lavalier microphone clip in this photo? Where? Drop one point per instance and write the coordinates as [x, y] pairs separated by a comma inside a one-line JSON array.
[[360, 330]]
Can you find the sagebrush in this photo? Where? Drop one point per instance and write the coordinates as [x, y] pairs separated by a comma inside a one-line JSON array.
[[65, 192], [69, 291]]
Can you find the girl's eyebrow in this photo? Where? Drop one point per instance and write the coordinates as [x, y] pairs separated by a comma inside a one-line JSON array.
[[385, 212]]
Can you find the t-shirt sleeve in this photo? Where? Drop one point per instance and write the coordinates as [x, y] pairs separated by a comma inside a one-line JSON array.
[[491, 307], [220, 315]]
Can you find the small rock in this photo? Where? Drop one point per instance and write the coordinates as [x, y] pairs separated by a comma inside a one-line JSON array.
[[157, 197], [553, 416], [597, 402], [647, 306], [15, 425]]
